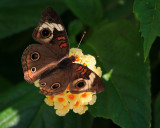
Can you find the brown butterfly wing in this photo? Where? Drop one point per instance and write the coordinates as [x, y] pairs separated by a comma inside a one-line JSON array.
[[55, 81], [37, 59], [85, 80], [51, 30]]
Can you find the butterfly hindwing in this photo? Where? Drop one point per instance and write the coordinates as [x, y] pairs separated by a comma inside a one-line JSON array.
[[55, 81], [85, 80]]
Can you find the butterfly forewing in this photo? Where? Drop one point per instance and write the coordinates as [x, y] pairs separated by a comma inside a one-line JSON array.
[[52, 31], [37, 59]]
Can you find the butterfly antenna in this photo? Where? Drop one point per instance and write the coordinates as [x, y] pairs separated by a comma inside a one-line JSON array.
[[81, 39]]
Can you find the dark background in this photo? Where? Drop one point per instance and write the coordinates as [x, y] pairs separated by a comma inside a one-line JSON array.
[[20, 103]]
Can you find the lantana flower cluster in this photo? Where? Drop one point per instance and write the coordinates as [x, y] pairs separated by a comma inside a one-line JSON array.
[[66, 101]]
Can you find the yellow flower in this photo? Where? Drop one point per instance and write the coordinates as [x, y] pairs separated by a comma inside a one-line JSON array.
[[36, 83], [75, 52], [77, 102], [72, 98], [89, 61], [49, 100], [77, 108], [60, 101], [85, 98], [94, 98], [85, 108], [63, 111], [78, 53], [98, 71], [80, 109]]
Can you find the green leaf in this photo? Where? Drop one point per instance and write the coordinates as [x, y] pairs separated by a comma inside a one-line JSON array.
[[126, 99], [24, 107], [18, 16], [117, 9], [80, 121], [147, 11], [19, 40], [74, 28], [4, 84], [88, 11], [157, 112]]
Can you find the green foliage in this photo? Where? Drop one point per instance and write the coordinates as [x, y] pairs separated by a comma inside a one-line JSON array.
[[89, 11], [4, 84], [17, 15], [74, 29], [113, 35], [147, 11], [25, 105], [157, 112], [117, 9], [128, 92]]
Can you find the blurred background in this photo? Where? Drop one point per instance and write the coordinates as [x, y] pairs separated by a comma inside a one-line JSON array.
[[112, 34]]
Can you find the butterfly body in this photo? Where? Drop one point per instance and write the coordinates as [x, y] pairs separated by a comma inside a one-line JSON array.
[[49, 61]]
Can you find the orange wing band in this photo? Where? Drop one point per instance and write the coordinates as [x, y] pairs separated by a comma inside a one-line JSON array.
[[63, 45], [61, 38], [84, 71], [79, 68], [28, 66]]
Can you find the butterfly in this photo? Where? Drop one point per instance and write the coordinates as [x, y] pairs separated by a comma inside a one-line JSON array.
[[49, 61]]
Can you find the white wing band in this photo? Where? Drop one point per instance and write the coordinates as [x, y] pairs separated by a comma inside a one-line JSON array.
[[51, 26]]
